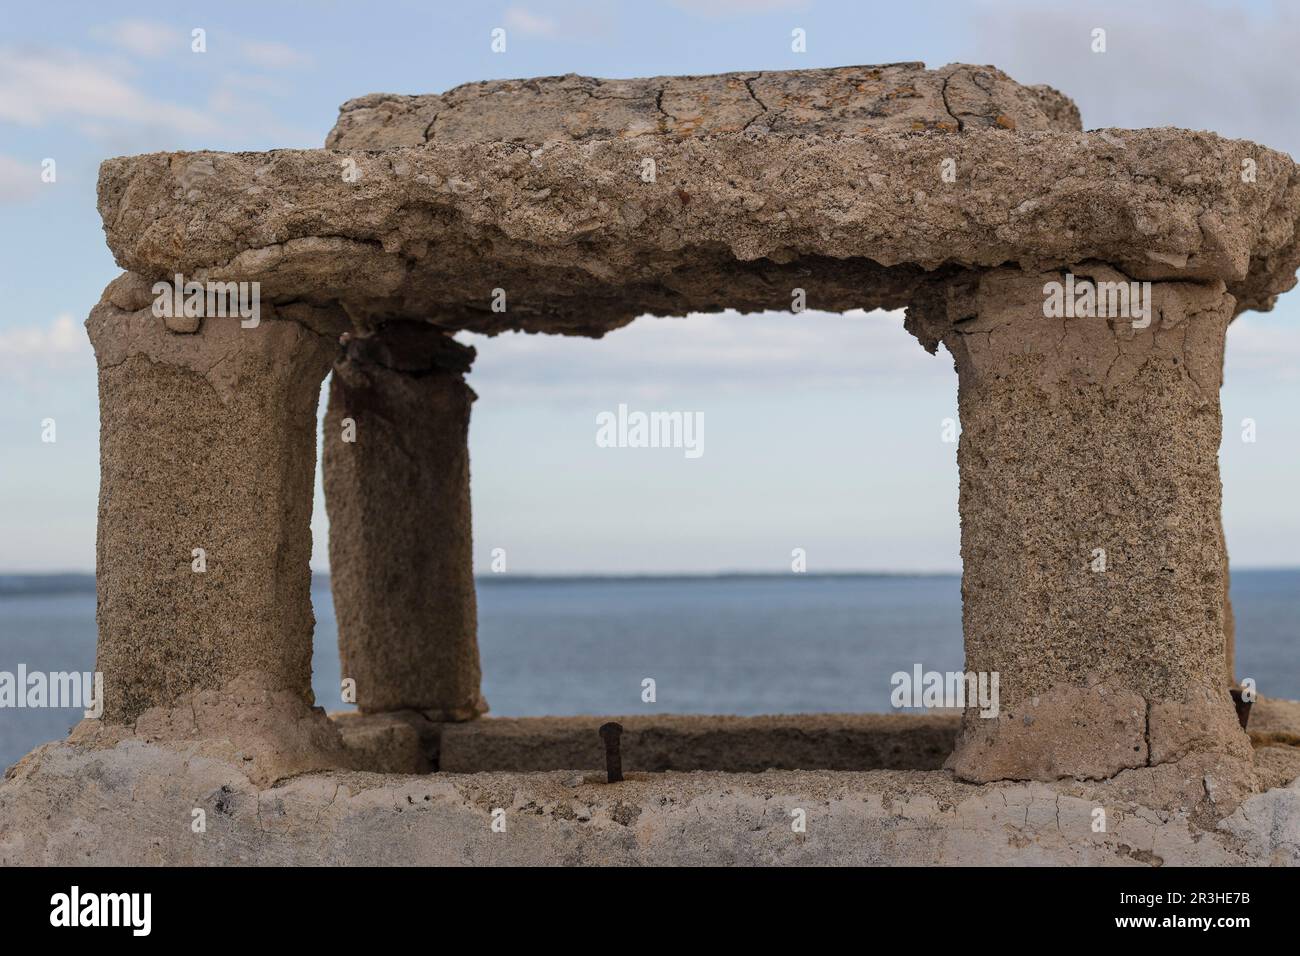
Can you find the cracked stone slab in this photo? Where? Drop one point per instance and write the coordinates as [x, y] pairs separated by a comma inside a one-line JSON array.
[[580, 244], [892, 97]]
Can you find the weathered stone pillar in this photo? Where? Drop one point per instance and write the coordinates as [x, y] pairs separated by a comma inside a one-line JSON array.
[[207, 458], [1093, 564], [1229, 619], [396, 469]]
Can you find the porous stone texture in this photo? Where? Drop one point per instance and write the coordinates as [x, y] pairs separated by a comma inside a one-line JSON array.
[[1274, 721], [395, 741], [1275, 735], [397, 495], [1229, 619], [580, 244], [267, 733], [1082, 436], [1276, 766], [207, 440], [852, 100]]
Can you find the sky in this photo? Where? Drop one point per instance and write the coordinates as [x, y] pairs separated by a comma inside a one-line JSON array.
[[821, 432]]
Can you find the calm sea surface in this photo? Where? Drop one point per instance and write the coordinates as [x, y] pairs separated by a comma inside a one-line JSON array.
[[726, 645]]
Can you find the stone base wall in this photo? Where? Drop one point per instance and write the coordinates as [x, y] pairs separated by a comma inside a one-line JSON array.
[[65, 802]]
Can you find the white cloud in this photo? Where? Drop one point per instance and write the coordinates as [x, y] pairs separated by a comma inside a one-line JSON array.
[[525, 21], [36, 349], [271, 54], [152, 39], [731, 8], [258, 83], [148, 38], [653, 358], [1263, 348], [1188, 63], [18, 180], [727, 351], [37, 88]]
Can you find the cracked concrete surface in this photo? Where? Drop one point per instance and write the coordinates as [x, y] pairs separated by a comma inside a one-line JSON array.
[[582, 245], [848, 100], [133, 805]]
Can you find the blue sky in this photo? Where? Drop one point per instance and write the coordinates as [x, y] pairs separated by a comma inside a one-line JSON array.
[[822, 432]]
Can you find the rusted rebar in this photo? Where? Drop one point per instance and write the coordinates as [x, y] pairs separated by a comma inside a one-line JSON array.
[[610, 733]]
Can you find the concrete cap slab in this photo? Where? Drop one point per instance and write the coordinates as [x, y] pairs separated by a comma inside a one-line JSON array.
[[853, 207]]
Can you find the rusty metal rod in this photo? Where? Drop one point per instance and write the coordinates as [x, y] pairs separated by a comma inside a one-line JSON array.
[[610, 733]]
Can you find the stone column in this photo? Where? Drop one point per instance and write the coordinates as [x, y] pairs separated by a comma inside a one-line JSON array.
[[1088, 444], [1229, 620], [207, 459], [396, 469]]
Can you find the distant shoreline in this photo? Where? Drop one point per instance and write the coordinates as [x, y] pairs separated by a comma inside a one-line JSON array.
[[54, 583]]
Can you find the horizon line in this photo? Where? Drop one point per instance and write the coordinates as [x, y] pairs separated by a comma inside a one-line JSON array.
[[488, 575]]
